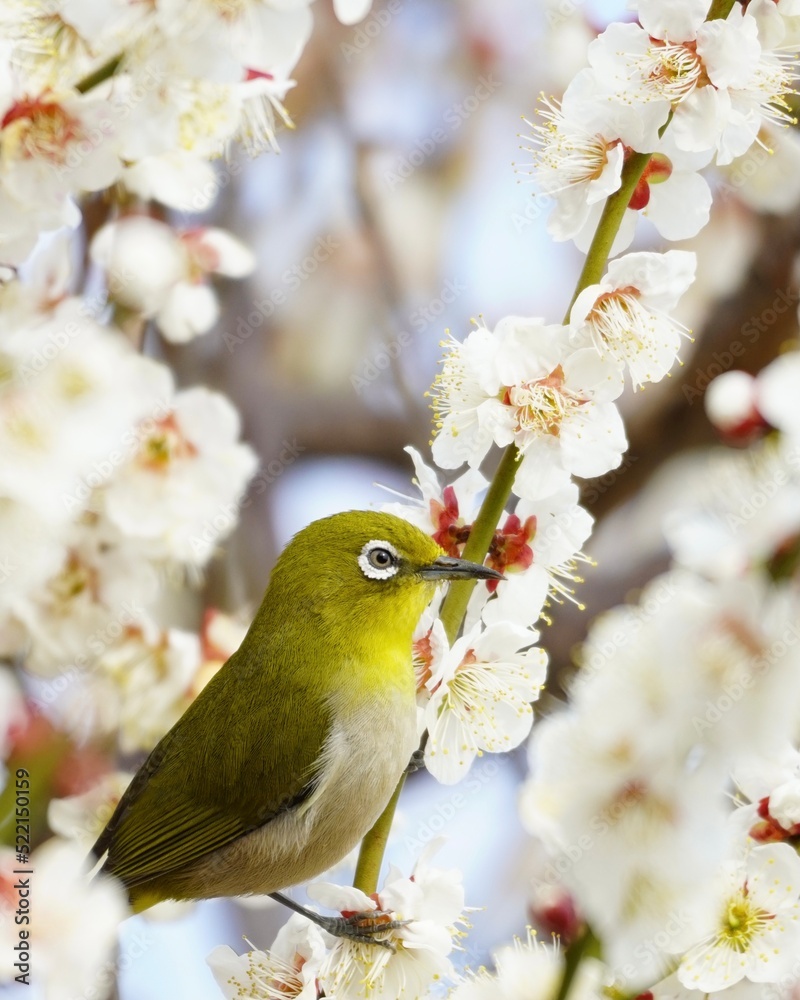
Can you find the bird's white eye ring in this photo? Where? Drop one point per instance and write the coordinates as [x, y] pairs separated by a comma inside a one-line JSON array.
[[379, 560]]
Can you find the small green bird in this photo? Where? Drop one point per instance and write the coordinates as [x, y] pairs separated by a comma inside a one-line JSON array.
[[291, 752]]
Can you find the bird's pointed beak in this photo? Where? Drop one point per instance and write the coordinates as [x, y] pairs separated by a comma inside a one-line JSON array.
[[449, 568]]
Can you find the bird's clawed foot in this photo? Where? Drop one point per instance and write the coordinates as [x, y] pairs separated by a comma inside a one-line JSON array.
[[363, 927]]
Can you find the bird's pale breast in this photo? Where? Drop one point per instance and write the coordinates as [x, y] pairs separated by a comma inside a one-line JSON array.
[[364, 758]]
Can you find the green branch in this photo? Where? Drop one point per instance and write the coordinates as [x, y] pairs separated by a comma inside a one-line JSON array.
[[607, 228], [719, 10], [586, 946], [100, 75], [480, 538], [370, 857]]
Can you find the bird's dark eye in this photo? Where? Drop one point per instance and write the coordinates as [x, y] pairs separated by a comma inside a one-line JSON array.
[[379, 560]]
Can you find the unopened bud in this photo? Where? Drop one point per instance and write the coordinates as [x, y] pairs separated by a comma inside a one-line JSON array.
[[553, 912], [731, 407]]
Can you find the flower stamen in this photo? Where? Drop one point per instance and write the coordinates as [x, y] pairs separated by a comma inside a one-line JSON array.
[[565, 153], [541, 405]]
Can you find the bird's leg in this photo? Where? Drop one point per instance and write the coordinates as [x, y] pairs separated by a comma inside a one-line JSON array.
[[357, 926], [417, 761]]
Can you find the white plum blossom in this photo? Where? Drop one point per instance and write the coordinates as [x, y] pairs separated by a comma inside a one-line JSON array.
[[432, 903], [178, 493], [31, 551], [536, 549], [184, 123], [97, 591], [743, 511], [525, 385], [190, 103], [178, 179], [53, 144], [675, 199], [142, 259], [23, 224], [30, 300], [480, 696], [611, 793], [467, 401], [261, 97], [580, 147], [627, 315], [289, 969], [72, 392], [557, 403], [634, 836], [56, 144], [579, 153], [713, 85], [676, 21], [69, 907], [736, 636], [755, 932], [58, 42], [767, 177], [723, 638], [161, 273], [717, 78], [731, 405], [523, 971], [704, 672], [136, 689], [760, 776], [772, 784], [776, 397], [265, 35], [530, 970], [164, 100], [444, 512], [671, 195]]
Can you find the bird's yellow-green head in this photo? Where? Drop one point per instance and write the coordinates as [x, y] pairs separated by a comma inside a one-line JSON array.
[[365, 567]]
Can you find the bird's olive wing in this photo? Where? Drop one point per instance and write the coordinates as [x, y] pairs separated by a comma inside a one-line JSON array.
[[236, 760]]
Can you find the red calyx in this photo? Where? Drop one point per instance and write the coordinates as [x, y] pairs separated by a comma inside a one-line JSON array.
[[450, 535], [256, 74], [658, 169], [558, 917], [768, 830], [510, 546]]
